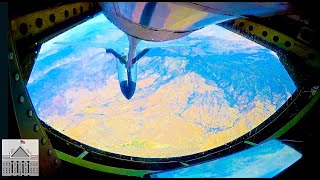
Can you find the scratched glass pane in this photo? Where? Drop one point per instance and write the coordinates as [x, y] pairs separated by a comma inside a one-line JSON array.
[[192, 94]]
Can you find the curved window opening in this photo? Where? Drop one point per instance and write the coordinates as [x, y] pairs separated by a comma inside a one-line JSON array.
[[192, 95]]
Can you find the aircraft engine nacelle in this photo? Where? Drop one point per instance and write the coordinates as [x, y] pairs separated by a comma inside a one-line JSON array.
[[162, 21]]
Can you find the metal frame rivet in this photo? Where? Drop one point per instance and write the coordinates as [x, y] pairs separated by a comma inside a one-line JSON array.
[[16, 77], [10, 55], [30, 113], [21, 99], [56, 161], [36, 128], [43, 141], [49, 152]]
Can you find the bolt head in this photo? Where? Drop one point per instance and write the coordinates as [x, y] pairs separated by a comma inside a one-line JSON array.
[[43, 141], [16, 77], [30, 113], [49, 152], [10, 55], [21, 99], [36, 128]]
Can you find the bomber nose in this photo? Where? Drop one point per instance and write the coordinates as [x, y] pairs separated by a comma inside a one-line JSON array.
[[128, 97], [126, 94], [128, 88]]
